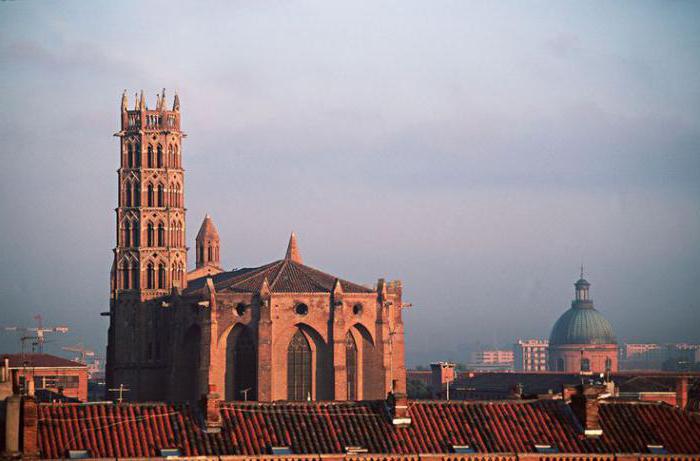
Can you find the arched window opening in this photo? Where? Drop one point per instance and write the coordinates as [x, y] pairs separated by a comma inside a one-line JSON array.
[[149, 235], [130, 156], [137, 194], [150, 195], [150, 276], [127, 234], [124, 275], [241, 365], [201, 253], [134, 276], [585, 365], [299, 368], [127, 199], [161, 235], [171, 156], [209, 254], [137, 150], [351, 366], [160, 156], [135, 236], [161, 275], [150, 156], [161, 195]]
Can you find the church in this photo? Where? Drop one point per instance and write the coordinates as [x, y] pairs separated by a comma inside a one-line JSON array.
[[281, 331]]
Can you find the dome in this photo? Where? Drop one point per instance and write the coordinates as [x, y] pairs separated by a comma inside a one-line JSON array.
[[582, 324]]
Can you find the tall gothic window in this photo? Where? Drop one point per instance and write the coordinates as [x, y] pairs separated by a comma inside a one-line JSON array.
[[160, 156], [351, 366], [298, 368], [150, 156], [135, 230], [161, 235], [128, 202], [161, 195], [150, 195], [241, 365], [150, 276], [137, 194], [130, 156], [127, 234], [135, 276], [137, 150], [149, 235], [125, 277], [161, 275]]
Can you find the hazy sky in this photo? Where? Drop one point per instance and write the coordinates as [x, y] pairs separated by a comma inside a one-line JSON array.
[[479, 151]]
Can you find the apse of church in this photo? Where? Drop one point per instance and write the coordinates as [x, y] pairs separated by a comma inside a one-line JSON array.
[[281, 331]]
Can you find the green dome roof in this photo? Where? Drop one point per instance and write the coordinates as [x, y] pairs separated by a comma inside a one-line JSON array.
[[582, 324]]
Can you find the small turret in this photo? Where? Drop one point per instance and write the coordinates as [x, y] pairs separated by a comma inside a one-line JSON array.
[[293, 253], [176, 103], [125, 102], [207, 244], [142, 102]]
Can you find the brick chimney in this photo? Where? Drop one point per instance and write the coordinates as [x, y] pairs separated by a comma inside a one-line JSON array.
[[682, 392], [30, 426], [210, 408], [397, 404], [585, 403]]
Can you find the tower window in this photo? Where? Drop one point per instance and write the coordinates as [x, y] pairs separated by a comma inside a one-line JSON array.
[[135, 230], [150, 195], [127, 234], [161, 195], [135, 276], [127, 200], [137, 150], [357, 309], [149, 235], [160, 156], [130, 156], [161, 235], [161, 276], [150, 156], [351, 366], [150, 276]]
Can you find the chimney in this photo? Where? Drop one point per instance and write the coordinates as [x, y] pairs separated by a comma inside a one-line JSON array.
[[30, 423], [210, 407], [12, 410], [398, 409], [442, 374], [682, 392], [585, 403]]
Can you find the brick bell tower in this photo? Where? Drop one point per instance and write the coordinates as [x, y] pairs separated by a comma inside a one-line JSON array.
[[150, 256]]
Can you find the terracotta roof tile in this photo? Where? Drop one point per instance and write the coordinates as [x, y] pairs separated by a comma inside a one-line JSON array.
[[40, 361], [139, 430]]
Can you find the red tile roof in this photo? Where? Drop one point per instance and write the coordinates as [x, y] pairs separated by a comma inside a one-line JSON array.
[[40, 361], [140, 430], [284, 276]]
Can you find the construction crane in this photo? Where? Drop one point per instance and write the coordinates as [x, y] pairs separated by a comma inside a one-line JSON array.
[[82, 350], [39, 332]]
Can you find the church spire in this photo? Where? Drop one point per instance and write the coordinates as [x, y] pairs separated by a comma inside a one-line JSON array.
[[293, 250]]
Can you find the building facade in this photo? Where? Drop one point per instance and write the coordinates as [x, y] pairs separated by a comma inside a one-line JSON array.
[[531, 355], [582, 340], [281, 331], [49, 376]]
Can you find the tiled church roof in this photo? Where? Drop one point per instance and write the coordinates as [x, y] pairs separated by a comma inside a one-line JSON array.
[[283, 276], [140, 430]]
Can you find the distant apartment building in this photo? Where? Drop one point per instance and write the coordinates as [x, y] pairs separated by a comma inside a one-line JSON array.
[[651, 356], [493, 359], [531, 355], [51, 377]]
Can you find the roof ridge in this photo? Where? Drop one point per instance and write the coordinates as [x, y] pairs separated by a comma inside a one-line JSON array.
[[314, 280], [256, 271], [279, 273]]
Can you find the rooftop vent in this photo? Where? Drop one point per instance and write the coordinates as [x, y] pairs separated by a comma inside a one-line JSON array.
[[170, 452], [281, 450], [657, 449], [78, 454], [462, 449], [545, 448]]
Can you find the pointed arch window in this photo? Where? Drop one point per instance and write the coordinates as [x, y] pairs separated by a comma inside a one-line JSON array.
[[351, 365], [150, 197], [135, 276], [161, 275], [149, 235], [161, 195], [137, 194], [150, 156], [137, 155], [150, 276], [127, 234], [135, 235], [127, 198], [299, 368], [209, 254], [130, 156], [125, 277], [160, 156], [171, 156], [161, 235]]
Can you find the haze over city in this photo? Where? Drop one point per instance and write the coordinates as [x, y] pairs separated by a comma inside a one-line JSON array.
[[479, 152]]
